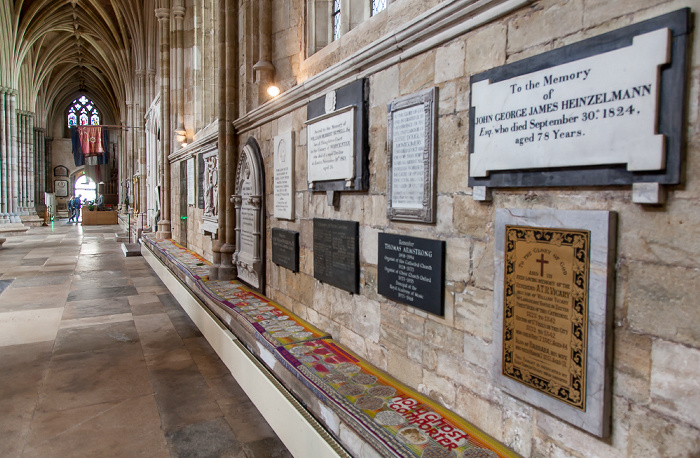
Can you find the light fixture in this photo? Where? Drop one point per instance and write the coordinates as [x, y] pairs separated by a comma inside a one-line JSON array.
[[273, 90], [181, 136]]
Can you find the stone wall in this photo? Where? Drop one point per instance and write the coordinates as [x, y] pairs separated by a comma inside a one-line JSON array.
[[656, 393]]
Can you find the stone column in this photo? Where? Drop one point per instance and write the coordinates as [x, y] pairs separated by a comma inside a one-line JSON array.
[[31, 179], [264, 70], [163, 15], [179, 15], [221, 81], [14, 157], [39, 166], [228, 269], [141, 134], [22, 162], [4, 138]]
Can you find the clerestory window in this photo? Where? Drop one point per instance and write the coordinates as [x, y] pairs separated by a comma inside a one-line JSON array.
[[335, 19], [377, 6], [83, 112]]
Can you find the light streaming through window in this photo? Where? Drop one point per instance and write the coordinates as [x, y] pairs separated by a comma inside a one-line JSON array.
[[83, 112]]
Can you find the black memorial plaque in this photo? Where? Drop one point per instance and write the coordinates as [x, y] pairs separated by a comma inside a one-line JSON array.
[[411, 271], [337, 253], [200, 181], [285, 248]]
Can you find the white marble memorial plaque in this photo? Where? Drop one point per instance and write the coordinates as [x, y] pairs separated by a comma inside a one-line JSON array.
[[284, 176], [411, 157], [331, 146], [593, 111], [408, 168], [190, 181]]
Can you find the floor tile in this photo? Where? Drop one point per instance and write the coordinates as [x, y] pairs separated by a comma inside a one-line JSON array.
[[29, 326], [101, 293], [96, 307], [98, 337], [95, 377], [183, 395], [205, 439], [127, 428]]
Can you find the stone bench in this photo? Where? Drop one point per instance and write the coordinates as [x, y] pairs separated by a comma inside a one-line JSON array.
[[387, 416]]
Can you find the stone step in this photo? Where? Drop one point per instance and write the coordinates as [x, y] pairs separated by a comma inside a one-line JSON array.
[[13, 229]]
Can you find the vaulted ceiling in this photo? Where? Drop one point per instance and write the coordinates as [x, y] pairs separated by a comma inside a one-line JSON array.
[[53, 50]]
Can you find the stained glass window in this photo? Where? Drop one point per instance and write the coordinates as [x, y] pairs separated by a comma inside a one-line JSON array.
[[377, 6], [335, 18], [83, 112]]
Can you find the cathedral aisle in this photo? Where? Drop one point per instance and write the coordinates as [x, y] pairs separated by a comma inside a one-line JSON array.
[[98, 359]]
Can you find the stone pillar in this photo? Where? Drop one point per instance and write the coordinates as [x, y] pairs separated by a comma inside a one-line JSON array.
[[31, 179], [4, 144], [14, 157], [163, 15], [39, 166], [221, 82], [264, 70], [230, 62], [179, 15], [21, 163], [141, 133]]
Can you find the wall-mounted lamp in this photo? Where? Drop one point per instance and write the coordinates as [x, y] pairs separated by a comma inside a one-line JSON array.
[[181, 137], [273, 90]]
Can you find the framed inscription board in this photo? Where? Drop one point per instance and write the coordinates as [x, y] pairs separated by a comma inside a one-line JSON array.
[[553, 304], [608, 110], [411, 270], [337, 253], [337, 144], [545, 310], [285, 248], [411, 167]]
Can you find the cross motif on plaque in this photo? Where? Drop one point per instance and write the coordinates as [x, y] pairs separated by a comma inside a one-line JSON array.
[[542, 263]]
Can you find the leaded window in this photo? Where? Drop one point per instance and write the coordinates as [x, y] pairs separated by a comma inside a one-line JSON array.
[[83, 112], [335, 19], [377, 6]]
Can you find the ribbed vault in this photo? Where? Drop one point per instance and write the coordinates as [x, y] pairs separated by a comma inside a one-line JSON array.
[[51, 51]]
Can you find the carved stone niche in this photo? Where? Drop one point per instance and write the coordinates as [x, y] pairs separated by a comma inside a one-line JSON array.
[[209, 179], [249, 202]]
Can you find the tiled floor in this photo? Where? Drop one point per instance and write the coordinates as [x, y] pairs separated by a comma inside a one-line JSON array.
[[98, 359]]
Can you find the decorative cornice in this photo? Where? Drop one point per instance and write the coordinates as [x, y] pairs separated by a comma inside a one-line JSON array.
[[431, 29], [193, 148]]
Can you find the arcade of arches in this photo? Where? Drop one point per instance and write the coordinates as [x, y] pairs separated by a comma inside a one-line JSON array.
[[190, 139]]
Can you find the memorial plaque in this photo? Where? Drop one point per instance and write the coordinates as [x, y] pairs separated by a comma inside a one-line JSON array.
[[337, 145], [331, 146], [285, 248], [546, 310], [411, 271], [284, 176], [607, 110], [200, 181], [250, 216], [411, 159], [337, 253], [553, 294], [190, 182]]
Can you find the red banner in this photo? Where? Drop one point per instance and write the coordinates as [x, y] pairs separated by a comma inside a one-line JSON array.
[[91, 140]]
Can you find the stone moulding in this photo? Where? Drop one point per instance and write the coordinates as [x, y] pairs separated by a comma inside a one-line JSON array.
[[431, 29]]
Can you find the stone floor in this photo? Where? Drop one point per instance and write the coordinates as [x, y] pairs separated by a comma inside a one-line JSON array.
[[98, 359]]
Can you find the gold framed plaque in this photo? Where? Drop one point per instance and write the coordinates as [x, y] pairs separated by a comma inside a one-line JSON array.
[[545, 310]]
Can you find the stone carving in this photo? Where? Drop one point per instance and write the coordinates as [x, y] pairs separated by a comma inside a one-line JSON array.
[[211, 185]]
